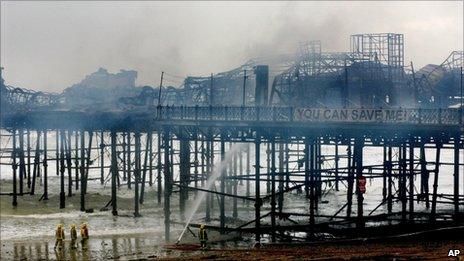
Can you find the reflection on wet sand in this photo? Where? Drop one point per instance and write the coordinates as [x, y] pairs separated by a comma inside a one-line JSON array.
[[94, 249]]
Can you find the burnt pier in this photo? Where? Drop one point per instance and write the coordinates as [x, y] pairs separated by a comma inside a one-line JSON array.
[[267, 156]]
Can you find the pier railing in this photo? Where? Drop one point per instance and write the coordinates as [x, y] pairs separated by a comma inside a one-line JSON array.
[[319, 115]]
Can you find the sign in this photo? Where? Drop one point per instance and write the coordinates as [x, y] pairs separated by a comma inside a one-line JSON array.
[[354, 115]]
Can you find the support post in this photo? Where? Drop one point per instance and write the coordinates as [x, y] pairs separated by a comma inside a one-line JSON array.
[[384, 173], [350, 182], [87, 165], [137, 174], [248, 171], [411, 179], [268, 168], [145, 162], [273, 191], [129, 163], [184, 174], [36, 164], [76, 159], [209, 162], [223, 177], [102, 158], [257, 189], [167, 186], [57, 152], [310, 157], [337, 159], [13, 153], [280, 199], [195, 164], [45, 164], [287, 166], [307, 167], [62, 169], [424, 176], [159, 167], [234, 185], [22, 163], [435, 182], [67, 146], [390, 182], [114, 174], [456, 177], [82, 168], [203, 162], [124, 162], [150, 154], [403, 183], [28, 145], [358, 153]]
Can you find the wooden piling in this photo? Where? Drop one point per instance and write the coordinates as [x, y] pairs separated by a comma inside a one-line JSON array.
[[129, 163], [209, 162], [82, 170], [114, 174], [350, 181], [62, 170], [22, 162], [13, 155], [167, 186], [35, 168], [76, 159], [67, 146], [433, 211], [390, 181], [411, 179], [456, 177], [222, 219], [145, 162], [159, 167], [45, 163], [28, 148], [184, 175], [102, 157], [358, 154], [137, 174], [257, 188], [273, 191]]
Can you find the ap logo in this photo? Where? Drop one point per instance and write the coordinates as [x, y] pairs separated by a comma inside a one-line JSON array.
[[454, 252]]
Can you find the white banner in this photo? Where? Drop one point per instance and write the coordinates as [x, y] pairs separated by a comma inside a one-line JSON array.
[[353, 115]]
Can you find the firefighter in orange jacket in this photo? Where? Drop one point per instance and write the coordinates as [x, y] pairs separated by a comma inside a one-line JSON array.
[[59, 236], [73, 233], [202, 236], [84, 235]]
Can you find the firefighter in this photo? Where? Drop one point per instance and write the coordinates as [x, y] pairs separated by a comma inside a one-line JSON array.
[[73, 236], [59, 236], [84, 235], [202, 236]]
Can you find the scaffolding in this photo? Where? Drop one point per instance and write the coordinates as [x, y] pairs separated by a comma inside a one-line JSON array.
[[382, 51]]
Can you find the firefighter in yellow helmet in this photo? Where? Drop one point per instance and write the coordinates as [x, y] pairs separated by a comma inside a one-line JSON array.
[[73, 233], [84, 235], [203, 236], [59, 236]]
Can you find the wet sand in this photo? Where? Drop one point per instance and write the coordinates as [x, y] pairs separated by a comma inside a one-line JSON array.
[[425, 250], [116, 247], [140, 247]]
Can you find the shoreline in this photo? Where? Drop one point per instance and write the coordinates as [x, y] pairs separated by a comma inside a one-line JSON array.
[[433, 249]]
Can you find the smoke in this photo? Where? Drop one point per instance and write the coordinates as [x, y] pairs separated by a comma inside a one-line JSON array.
[[289, 28], [51, 45]]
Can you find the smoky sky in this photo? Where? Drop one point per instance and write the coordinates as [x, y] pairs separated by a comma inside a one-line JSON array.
[[51, 45]]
